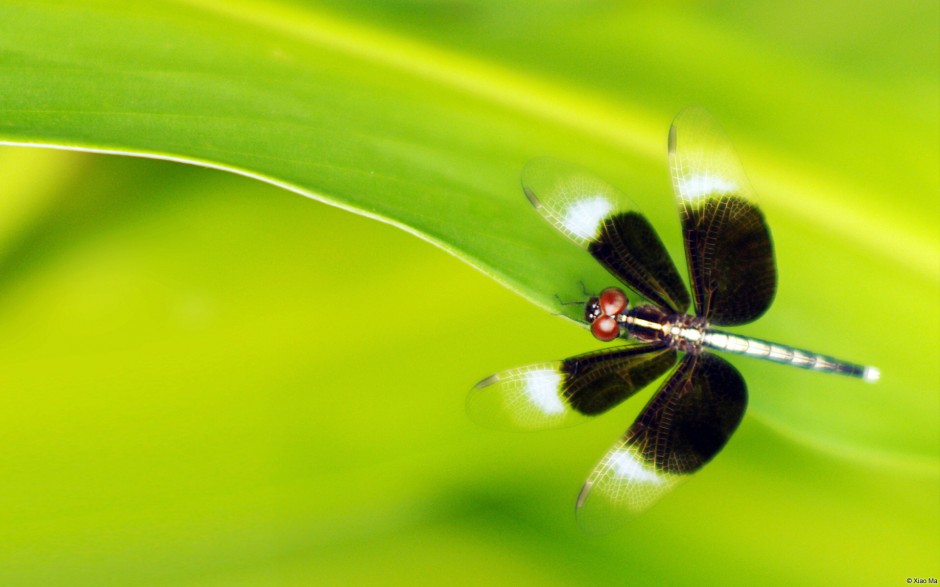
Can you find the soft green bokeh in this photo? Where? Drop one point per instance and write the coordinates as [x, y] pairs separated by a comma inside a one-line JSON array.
[[210, 381]]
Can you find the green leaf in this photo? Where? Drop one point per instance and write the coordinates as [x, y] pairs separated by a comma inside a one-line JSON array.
[[210, 381], [423, 114]]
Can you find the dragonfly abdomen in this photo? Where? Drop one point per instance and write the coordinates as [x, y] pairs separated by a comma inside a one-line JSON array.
[[762, 349]]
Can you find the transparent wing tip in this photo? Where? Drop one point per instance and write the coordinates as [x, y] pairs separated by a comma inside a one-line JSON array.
[[599, 516], [585, 490], [530, 195], [487, 381], [534, 176], [620, 488], [672, 139], [524, 398]]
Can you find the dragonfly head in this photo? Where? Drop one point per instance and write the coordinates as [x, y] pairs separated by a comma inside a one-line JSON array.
[[602, 311]]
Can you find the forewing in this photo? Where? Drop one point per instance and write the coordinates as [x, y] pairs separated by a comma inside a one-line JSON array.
[[562, 393], [605, 222], [727, 242], [682, 428]]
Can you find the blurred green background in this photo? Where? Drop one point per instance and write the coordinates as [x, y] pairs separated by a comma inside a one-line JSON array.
[[208, 380]]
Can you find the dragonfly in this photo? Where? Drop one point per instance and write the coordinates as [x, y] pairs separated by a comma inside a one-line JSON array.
[[732, 272]]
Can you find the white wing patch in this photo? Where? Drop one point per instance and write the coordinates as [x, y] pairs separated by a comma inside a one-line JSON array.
[[693, 187], [583, 217], [624, 465], [541, 387]]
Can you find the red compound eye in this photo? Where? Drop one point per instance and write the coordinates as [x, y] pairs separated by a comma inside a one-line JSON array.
[[605, 328], [613, 301]]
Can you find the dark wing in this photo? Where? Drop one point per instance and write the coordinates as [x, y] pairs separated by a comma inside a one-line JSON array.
[[551, 395], [605, 222], [727, 242], [683, 426]]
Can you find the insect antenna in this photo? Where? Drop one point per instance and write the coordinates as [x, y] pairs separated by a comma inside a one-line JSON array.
[[571, 303]]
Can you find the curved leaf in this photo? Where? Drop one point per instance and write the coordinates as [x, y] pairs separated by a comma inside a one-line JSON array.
[[426, 126], [186, 396]]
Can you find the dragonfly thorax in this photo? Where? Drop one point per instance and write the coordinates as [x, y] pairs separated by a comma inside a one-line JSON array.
[[685, 332], [652, 324]]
